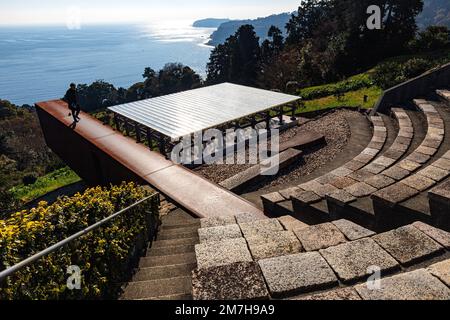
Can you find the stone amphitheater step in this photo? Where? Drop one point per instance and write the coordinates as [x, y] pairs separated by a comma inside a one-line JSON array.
[[158, 288], [407, 200], [171, 250], [165, 272], [175, 242], [309, 199], [445, 94], [439, 202]]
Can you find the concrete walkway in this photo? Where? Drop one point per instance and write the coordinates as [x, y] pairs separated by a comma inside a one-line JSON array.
[[195, 194]]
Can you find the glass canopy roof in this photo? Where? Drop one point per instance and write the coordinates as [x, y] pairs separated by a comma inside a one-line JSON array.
[[179, 114]]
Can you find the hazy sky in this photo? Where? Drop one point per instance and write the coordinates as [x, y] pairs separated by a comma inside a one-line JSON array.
[[103, 11]]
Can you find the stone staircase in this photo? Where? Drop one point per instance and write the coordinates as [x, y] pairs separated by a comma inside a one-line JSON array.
[[165, 272], [388, 184]]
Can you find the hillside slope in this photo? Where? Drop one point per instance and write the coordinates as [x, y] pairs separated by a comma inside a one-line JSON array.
[[261, 25]]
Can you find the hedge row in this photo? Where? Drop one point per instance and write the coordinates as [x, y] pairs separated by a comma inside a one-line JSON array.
[[351, 84], [105, 256]]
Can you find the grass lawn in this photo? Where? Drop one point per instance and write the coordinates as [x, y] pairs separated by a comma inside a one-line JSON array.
[[349, 99], [45, 184]]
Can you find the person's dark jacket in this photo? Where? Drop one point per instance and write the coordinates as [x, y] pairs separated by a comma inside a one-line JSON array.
[[71, 98]]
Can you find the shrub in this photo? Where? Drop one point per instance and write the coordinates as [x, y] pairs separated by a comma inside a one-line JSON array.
[[339, 88], [391, 73], [29, 179], [433, 38], [105, 256]]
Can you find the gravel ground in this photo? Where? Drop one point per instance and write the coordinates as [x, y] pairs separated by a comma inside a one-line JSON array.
[[333, 126]]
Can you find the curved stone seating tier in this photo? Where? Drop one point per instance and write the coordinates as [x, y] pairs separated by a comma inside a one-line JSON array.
[[445, 94], [309, 198], [406, 199], [283, 258], [439, 201]]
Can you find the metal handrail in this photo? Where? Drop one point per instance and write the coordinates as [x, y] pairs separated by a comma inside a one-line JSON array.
[[12, 270]]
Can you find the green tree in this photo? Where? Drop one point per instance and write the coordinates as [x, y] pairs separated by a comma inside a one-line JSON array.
[[237, 60], [7, 109], [97, 95], [433, 38]]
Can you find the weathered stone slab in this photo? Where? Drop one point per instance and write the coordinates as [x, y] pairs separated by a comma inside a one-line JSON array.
[[360, 189], [343, 182], [374, 168], [307, 197], [432, 143], [260, 228], [375, 145], [237, 281], [427, 108], [351, 261], [288, 193], [371, 151], [352, 231], [248, 217], [396, 193], [440, 236], [361, 175], [341, 172], [407, 132], [342, 197], [274, 245], [364, 158], [400, 147], [231, 231], [219, 253], [290, 223], [434, 173], [409, 165], [416, 285], [354, 165], [408, 245], [273, 197], [426, 150], [418, 182], [418, 157], [396, 173], [320, 236], [441, 270], [325, 189], [379, 181], [345, 294], [443, 164], [393, 154], [310, 185], [446, 155], [384, 161], [297, 273], [217, 221], [326, 178]]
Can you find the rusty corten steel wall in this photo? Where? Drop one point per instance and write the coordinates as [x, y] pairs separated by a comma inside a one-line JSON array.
[[89, 162]]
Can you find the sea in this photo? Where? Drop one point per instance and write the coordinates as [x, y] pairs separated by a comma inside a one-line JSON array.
[[38, 63]]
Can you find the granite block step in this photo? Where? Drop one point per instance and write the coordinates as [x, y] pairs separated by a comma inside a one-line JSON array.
[[164, 272], [167, 260], [158, 288]]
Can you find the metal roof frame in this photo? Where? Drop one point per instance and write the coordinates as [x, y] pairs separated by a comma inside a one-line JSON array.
[[184, 113]]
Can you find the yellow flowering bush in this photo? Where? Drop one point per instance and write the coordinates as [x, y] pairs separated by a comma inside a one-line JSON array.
[[105, 256]]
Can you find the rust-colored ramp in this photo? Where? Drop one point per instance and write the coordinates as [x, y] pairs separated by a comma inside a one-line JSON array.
[[102, 155]]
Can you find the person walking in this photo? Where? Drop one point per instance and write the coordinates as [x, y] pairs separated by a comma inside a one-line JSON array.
[[72, 101]]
